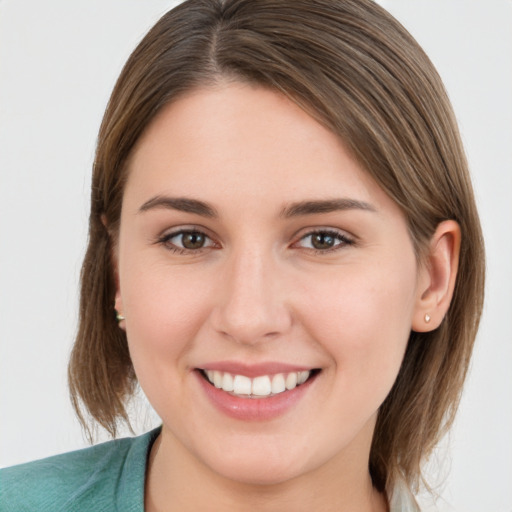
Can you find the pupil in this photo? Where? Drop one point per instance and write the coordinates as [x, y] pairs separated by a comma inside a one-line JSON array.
[[322, 241], [193, 240]]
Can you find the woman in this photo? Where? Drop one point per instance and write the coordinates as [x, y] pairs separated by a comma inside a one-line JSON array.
[[283, 221]]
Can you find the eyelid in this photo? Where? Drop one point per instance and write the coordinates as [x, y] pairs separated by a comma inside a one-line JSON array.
[[344, 238], [165, 237]]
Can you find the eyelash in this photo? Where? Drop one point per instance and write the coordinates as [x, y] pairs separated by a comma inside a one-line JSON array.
[[343, 240], [165, 240]]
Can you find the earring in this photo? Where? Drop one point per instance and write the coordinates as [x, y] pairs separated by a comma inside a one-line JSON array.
[[427, 318], [119, 317]]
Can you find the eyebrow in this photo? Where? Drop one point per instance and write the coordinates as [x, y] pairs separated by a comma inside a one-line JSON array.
[[182, 204], [324, 206], [297, 209]]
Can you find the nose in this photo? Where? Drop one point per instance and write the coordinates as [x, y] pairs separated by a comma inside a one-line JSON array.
[[251, 304]]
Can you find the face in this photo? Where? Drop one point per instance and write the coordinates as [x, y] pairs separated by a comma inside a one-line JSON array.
[[268, 286]]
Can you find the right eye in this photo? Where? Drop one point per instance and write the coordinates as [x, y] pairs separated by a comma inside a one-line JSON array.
[[186, 241]]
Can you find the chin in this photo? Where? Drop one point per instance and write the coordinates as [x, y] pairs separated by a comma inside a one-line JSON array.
[[259, 475], [257, 468]]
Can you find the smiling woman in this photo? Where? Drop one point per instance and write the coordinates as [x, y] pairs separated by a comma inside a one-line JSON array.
[[285, 254], [283, 286]]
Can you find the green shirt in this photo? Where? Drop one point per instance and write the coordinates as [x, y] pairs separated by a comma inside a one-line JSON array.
[[108, 477]]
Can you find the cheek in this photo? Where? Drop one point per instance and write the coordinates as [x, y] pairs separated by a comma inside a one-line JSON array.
[[164, 309], [363, 318]]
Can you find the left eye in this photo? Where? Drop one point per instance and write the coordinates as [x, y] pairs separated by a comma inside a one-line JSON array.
[[324, 240]]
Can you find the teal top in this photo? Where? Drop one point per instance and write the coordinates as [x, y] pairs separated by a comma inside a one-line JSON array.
[[108, 477]]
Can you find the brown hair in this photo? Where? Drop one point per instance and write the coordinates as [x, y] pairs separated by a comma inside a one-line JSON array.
[[356, 69]]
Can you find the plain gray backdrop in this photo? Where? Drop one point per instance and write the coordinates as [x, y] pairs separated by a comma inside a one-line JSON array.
[[58, 63]]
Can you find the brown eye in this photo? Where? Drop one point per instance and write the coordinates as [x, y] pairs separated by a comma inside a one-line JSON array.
[[183, 241], [193, 240], [323, 241]]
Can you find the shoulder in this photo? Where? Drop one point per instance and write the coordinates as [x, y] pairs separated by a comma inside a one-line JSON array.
[[109, 476]]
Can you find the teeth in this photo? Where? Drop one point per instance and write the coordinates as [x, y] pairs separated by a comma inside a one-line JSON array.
[[261, 386], [264, 385], [291, 381], [217, 379], [302, 377], [278, 383], [241, 385], [227, 382]]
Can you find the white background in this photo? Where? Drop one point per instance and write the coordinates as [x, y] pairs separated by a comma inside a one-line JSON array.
[[58, 63]]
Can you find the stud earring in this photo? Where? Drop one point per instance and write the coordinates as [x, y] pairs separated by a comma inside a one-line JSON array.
[[427, 318], [119, 317]]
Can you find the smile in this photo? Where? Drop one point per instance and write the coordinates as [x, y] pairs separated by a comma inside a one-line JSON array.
[[258, 387], [258, 392]]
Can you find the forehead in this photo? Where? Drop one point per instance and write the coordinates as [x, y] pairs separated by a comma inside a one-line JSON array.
[[249, 139]]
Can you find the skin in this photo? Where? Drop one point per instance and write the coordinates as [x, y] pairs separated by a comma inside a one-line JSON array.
[[258, 291]]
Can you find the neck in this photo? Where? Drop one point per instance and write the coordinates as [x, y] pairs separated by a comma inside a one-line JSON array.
[[177, 481]]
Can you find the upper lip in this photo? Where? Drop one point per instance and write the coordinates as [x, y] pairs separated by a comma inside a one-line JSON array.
[[254, 370]]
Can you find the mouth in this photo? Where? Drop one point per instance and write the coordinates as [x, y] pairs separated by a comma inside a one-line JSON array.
[[262, 386]]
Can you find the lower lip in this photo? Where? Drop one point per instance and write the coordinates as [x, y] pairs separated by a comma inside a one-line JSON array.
[[254, 409]]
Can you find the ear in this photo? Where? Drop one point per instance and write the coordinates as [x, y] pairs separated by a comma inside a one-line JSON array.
[[436, 279], [118, 301]]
